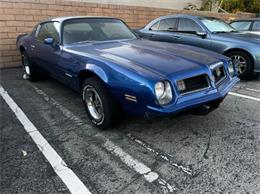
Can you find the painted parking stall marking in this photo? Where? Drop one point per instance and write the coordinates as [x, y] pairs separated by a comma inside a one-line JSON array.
[[163, 155], [244, 96], [137, 166], [70, 179], [254, 90]]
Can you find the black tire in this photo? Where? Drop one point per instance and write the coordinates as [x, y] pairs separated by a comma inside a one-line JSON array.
[[248, 71], [111, 109], [29, 68]]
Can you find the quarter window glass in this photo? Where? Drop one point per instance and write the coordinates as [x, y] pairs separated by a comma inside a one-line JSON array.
[[48, 30], [168, 24], [155, 26], [34, 30], [188, 25], [256, 25], [241, 25]]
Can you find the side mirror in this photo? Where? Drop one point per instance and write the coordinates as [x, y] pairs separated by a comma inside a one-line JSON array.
[[48, 41], [202, 34]]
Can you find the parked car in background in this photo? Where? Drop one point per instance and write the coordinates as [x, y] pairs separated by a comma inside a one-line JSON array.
[[251, 25], [209, 33], [114, 70]]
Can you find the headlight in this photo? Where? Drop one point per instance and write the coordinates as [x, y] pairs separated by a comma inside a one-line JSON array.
[[163, 92], [231, 68]]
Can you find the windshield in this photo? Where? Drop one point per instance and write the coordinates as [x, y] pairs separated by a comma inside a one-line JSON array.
[[217, 26], [95, 29]]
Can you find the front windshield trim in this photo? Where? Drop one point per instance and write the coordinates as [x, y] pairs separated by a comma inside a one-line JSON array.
[[225, 28]]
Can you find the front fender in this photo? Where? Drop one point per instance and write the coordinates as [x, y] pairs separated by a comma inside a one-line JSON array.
[[93, 68]]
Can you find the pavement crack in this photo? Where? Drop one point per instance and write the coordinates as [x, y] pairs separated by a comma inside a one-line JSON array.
[[163, 155], [136, 177], [207, 147]]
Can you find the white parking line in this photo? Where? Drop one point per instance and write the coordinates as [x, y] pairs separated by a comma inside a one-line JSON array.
[[69, 178], [254, 90], [137, 166], [244, 96], [163, 155]]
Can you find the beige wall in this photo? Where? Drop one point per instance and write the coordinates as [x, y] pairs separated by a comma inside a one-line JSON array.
[[19, 16], [169, 4]]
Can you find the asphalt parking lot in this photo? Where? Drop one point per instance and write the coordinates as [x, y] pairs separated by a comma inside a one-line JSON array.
[[217, 153]]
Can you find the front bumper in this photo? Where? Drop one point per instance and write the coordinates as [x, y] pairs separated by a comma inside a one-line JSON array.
[[189, 101]]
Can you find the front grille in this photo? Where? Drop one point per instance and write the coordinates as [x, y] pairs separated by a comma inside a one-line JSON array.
[[195, 83], [219, 74]]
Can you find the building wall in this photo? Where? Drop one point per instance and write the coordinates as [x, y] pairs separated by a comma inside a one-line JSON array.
[[19, 16], [168, 4]]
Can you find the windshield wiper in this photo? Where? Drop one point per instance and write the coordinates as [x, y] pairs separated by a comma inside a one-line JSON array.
[[80, 42], [224, 31], [220, 32]]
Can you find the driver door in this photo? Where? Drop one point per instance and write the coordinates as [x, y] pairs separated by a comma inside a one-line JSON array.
[[47, 54], [187, 32]]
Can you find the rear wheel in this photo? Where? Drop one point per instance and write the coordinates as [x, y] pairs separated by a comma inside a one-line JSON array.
[[101, 107], [244, 63], [30, 72]]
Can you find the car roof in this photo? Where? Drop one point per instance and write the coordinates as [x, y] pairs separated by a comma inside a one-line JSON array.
[[186, 16], [181, 15], [62, 19], [246, 19]]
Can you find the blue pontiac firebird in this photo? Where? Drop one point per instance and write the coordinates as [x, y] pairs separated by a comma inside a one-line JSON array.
[[115, 71]]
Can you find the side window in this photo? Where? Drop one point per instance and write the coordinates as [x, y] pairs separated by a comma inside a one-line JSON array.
[[243, 25], [155, 26], [167, 24], [256, 26], [48, 30], [188, 25]]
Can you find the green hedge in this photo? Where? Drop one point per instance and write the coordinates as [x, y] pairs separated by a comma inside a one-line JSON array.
[[241, 5]]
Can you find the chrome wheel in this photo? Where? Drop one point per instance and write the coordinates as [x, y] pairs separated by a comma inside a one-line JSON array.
[[240, 62], [94, 103], [26, 66]]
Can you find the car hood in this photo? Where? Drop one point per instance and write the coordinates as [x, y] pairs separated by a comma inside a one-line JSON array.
[[241, 36], [254, 32], [159, 57]]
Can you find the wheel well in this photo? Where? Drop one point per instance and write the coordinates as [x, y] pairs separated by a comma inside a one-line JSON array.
[[22, 49], [83, 75], [236, 49]]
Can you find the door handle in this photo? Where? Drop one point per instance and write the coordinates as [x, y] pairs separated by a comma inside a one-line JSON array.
[[151, 35], [32, 46], [176, 37]]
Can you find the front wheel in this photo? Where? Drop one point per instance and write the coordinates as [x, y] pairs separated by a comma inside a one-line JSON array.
[[101, 107], [244, 63]]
